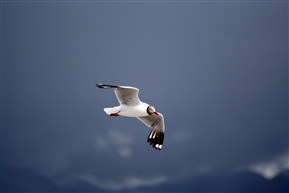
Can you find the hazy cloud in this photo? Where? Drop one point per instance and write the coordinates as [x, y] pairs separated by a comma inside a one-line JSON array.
[[271, 168], [115, 140], [129, 182]]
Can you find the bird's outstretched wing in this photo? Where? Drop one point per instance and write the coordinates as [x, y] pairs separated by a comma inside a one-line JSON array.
[[157, 134], [126, 95]]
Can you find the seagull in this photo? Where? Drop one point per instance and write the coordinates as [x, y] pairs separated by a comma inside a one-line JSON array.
[[131, 106]]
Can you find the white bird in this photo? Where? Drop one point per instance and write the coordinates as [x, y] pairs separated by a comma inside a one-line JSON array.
[[131, 106]]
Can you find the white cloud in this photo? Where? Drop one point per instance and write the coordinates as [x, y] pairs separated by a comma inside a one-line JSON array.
[[115, 140], [271, 168], [119, 138], [131, 182]]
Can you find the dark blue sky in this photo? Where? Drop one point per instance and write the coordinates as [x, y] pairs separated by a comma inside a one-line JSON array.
[[216, 70]]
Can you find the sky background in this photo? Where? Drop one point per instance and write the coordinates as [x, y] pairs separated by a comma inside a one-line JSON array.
[[216, 70]]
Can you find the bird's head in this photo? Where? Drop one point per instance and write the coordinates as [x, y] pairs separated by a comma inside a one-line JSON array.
[[151, 110]]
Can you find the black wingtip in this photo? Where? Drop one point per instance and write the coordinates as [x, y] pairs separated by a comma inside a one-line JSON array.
[[106, 86], [156, 139]]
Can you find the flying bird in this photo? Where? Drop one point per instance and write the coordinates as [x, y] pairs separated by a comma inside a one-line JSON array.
[[131, 106]]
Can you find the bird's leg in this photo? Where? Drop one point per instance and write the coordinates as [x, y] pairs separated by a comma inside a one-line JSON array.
[[115, 114]]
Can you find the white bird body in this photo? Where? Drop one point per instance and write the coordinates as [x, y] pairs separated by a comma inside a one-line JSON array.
[[129, 111], [131, 106]]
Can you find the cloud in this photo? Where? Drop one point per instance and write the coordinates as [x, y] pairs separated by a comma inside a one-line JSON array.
[[270, 169], [125, 152], [115, 140], [129, 182]]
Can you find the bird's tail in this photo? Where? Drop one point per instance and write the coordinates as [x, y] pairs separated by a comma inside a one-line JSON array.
[[111, 110]]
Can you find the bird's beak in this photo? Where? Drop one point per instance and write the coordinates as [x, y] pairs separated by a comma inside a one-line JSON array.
[[156, 113]]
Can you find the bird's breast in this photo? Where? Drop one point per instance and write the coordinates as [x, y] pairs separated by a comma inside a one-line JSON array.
[[133, 111]]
